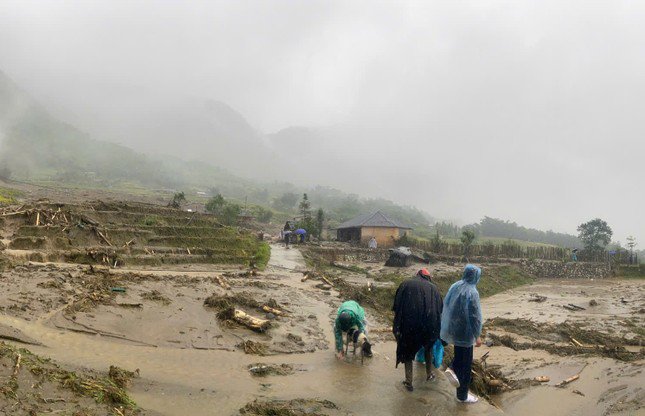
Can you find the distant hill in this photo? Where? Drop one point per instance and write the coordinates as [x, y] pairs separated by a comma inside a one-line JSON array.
[[37, 146], [164, 123]]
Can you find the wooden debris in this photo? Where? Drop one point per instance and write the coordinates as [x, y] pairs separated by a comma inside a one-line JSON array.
[[324, 279], [130, 305], [16, 368], [575, 342], [38, 219], [251, 322], [222, 282], [537, 298], [306, 276], [543, 379], [127, 244], [580, 308], [103, 237], [276, 312], [568, 380], [578, 392]]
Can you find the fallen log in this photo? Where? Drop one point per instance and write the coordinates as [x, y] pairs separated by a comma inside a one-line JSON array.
[[251, 322]]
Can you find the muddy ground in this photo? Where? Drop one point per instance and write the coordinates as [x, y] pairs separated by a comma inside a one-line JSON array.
[[191, 362]]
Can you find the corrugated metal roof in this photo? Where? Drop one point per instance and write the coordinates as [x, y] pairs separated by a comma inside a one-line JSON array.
[[372, 219]]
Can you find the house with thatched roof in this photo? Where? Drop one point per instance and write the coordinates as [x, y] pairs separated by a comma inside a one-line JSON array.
[[375, 224]]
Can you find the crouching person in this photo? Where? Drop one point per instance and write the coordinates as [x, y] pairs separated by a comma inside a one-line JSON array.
[[461, 325], [350, 321]]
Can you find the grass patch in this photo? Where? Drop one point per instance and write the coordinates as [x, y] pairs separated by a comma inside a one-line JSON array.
[[9, 196], [262, 255], [494, 280], [634, 271]]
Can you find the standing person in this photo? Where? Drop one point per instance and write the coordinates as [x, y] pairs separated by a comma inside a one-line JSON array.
[[461, 325], [372, 244], [417, 321], [350, 319]]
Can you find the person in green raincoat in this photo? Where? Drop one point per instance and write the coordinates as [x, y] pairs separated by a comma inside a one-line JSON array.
[[350, 320]]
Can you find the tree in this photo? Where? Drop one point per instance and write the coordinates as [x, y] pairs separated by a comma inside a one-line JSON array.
[[320, 222], [467, 238], [216, 204], [435, 242], [305, 208], [286, 202], [595, 235], [230, 214], [177, 200], [306, 220]]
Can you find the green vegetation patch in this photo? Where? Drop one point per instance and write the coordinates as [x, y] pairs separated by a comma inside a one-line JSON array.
[[634, 271], [9, 196]]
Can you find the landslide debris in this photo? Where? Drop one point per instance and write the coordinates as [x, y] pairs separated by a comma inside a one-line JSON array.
[[296, 407], [33, 385]]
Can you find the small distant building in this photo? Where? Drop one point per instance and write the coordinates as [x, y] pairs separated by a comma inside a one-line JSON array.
[[375, 224]]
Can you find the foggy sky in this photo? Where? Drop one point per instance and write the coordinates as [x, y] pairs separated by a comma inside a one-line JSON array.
[[521, 110]]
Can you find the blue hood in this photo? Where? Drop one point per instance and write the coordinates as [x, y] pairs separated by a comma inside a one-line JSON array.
[[472, 274]]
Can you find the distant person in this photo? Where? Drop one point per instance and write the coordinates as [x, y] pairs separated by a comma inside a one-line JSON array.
[[461, 325], [372, 244], [417, 322], [574, 254], [287, 237], [350, 320]]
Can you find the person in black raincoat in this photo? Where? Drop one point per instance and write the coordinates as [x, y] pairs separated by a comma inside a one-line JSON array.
[[417, 322]]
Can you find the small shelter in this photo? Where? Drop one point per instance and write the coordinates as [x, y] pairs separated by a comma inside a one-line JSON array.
[[375, 224]]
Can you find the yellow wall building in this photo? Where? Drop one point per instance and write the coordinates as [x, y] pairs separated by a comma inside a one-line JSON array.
[[376, 224]]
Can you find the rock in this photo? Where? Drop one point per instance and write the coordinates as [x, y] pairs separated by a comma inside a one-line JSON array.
[[270, 316], [593, 302]]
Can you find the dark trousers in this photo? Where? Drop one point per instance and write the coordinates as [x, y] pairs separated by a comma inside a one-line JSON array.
[[409, 364], [462, 365]]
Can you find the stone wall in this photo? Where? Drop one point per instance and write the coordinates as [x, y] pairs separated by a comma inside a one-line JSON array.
[[568, 270]]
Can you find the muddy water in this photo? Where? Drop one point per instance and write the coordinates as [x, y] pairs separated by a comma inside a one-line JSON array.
[[179, 381]]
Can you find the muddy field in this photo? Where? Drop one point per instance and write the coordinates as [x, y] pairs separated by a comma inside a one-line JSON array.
[[175, 329]]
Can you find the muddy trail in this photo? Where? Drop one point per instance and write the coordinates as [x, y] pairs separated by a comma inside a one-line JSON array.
[[229, 339]]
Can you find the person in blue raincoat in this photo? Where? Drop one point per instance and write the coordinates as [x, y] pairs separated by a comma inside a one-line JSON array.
[[461, 325]]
